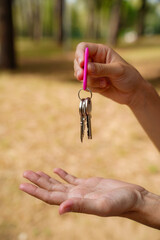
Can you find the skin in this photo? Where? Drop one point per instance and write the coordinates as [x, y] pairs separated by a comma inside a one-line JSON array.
[[111, 76], [97, 196], [114, 78], [102, 197], [108, 73]]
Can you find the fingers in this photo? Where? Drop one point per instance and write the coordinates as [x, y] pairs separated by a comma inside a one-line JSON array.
[[43, 182], [78, 71], [96, 70], [81, 49], [67, 177], [98, 82], [54, 198], [96, 51], [48, 178], [105, 70], [83, 205], [92, 82]]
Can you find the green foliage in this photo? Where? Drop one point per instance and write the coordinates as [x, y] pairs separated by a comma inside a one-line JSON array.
[[153, 19], [48, 21], [129, 16], [78, 16]]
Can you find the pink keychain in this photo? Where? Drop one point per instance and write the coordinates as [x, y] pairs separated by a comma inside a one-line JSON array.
[[86, 55]]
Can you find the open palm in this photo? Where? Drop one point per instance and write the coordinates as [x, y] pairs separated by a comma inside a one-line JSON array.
[[98, 196]]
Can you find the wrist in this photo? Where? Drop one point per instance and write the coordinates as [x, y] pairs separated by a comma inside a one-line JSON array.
[[146, 209], [141, 96], [149, 210]]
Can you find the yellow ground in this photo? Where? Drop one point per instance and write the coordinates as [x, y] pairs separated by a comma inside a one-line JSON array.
[[39, 130]]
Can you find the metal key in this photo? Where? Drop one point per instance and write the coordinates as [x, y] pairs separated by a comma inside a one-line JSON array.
[[82, 118], [88, 110], [85, 108]]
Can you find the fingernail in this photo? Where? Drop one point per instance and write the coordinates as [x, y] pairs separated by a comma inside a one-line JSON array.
[[103, 83], [25, 174], [21, 186]]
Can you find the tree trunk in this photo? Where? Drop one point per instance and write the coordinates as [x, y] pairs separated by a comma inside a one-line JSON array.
[[91, 20], [98, 25], [33, 14], [60, 25], [115, 21], [37, 25], [141, 18], [7, 53]]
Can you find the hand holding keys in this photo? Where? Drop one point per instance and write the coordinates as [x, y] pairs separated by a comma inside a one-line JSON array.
[[85, 106]]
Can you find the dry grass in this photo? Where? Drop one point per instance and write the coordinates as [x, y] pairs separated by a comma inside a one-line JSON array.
[[39, 130]]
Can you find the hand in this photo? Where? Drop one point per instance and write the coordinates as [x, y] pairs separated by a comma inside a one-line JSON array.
[[108, 73], [98, 196]]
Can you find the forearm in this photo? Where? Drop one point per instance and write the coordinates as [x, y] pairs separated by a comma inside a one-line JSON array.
[[146, 108]]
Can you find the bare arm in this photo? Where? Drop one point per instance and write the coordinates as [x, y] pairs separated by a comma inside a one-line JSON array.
[[146, 108]]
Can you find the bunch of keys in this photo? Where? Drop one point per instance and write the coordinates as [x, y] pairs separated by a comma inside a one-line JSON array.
[[85, 106]]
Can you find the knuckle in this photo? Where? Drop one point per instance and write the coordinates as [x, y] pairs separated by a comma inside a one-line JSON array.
[[50, 180], [109, 49], [81, 44], [39, 180], [78, 206]]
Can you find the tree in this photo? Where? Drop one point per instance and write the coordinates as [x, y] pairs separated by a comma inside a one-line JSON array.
[[36, 19], [60, 25], [7, 51], [115, 20], [98, 6], [32, 13], [91, 18], [141, 18]]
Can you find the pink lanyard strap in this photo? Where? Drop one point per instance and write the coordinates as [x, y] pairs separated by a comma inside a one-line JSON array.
[[86, 55]]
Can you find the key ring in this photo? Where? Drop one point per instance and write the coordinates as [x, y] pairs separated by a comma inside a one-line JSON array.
[[84, 90]]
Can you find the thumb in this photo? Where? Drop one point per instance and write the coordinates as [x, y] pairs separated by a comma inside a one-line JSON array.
[[105, 70], [83, 205]]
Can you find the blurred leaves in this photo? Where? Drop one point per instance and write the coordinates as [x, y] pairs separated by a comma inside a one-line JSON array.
[[84, 18]]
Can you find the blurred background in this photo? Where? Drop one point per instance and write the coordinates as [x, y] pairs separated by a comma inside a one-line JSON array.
[[39, 119]]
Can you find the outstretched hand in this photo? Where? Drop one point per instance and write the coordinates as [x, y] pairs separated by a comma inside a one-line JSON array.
[[98, 196]]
